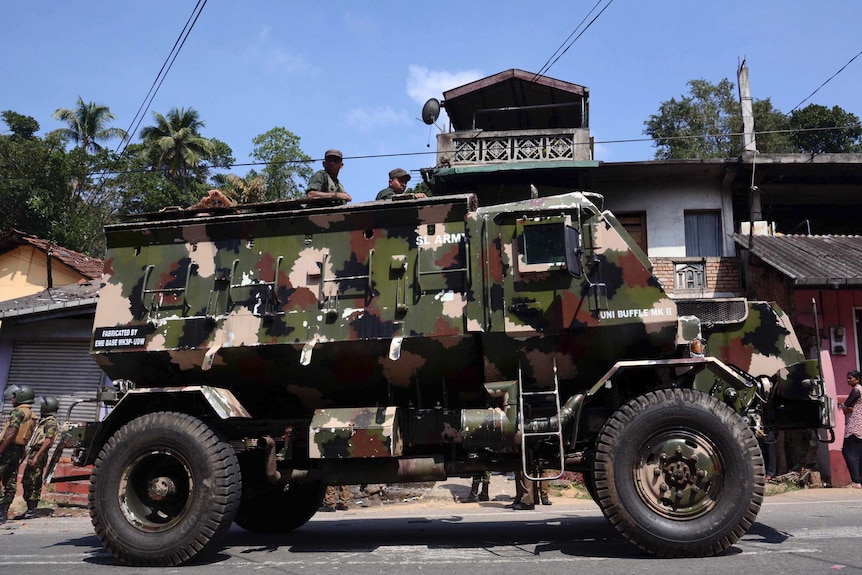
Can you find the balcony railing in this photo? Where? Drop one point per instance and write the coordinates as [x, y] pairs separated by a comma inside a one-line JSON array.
[[478, 147]]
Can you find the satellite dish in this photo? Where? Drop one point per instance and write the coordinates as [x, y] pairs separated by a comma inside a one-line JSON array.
[[431, 111]]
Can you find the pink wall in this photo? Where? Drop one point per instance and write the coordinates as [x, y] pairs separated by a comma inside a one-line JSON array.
[[834, 308]]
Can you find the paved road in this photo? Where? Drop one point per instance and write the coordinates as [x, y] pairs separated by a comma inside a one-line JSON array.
[[811, 531]]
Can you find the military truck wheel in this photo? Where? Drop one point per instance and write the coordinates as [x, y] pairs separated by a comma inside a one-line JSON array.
[[163, 490], [281, 510], [679, 473]]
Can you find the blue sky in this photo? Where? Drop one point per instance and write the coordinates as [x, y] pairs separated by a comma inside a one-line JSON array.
[[354, 75]]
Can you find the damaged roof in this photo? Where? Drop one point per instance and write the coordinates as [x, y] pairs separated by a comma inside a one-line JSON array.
[[828, 261]]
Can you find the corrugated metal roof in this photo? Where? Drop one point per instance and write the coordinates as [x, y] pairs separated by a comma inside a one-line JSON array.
[[833, 261], [51, 300]]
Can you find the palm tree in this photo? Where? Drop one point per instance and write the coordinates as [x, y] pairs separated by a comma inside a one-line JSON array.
[[176, 144], [88, 123], [249, 189]]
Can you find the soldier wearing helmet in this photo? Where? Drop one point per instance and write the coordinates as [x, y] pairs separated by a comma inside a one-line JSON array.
[[37, 456], [15, 435]]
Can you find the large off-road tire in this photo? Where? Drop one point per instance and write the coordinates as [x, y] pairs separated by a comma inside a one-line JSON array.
[[679, 474], [163, 490], [282, 509]]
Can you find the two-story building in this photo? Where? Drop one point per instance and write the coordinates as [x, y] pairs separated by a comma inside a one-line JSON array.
[[693, 218]]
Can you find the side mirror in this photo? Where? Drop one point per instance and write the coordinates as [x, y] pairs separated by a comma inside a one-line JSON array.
[[574, 250]]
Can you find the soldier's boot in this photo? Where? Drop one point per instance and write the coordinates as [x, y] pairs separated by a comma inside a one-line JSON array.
[[483, 496], [31, 511], [4, 513], [473, 497]]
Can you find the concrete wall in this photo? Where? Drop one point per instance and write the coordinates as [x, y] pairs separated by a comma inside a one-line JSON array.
[[24, 271], [665, 203], [834, 308]]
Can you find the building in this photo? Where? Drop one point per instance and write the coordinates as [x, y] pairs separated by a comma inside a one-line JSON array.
[[712, 228], [47, 300]]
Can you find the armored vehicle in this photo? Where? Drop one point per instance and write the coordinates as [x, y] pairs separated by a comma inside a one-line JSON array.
[[265, 351]]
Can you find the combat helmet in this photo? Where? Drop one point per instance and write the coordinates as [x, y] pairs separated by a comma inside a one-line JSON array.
[[49, 405], [23, 394]]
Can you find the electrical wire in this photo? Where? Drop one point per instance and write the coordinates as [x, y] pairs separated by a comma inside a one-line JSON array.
[[826, 82], [547, 67], [428, 153], [581, 23], [163, 72]]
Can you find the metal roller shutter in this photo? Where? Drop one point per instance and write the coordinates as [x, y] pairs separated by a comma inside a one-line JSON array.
[[62, 368]]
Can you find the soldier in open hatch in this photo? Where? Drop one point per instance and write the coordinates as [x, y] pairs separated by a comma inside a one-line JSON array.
[[37, 455], [324, 183], [398, 179], [15, 435]]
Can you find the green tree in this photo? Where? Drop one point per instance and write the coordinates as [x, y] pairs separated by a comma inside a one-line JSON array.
[[48, 191], [144, 189], [820, 130], [249, 189], [87, 125], [175, 146], [287, 168], [770, 125], [22, 126], [695, 125], [33, 172], [420, 188], [707, 123]]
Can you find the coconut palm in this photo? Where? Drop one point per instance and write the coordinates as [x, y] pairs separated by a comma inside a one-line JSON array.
[[249, 189], [87, 124], [175, 143]]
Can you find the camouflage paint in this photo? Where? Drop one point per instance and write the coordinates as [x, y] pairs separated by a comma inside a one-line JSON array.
[[417, 304]]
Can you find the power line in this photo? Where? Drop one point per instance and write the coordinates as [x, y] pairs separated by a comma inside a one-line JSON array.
[[826, 82], [659, 140], [163, 72], [581, 23], [547, 65]]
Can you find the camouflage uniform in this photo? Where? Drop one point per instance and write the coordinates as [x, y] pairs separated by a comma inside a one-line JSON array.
[[46, 431], [339, 493], [485, 480], [10, 458]]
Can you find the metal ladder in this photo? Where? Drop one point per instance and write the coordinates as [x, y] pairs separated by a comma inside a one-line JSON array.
[[525, 435]]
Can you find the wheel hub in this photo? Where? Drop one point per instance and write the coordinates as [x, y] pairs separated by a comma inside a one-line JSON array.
[[161, 488], [155, 490], [676, 474]]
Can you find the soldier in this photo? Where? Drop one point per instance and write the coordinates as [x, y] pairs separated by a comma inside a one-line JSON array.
[[398, 179], [526, 491], [475, 495], [37, 456], [15, 435], [337, 497], [324, 183], [543, 486]]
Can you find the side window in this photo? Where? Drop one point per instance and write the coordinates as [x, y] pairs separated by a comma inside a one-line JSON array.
[[702, 233], [541, 244]]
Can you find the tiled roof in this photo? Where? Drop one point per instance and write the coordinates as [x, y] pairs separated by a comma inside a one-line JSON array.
[[833, 261], [85, 265]]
